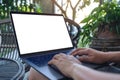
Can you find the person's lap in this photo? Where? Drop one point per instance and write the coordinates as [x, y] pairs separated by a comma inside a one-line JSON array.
[[34, 75]]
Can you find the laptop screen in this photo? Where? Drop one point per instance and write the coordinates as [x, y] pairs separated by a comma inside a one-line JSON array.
[[40, 32]]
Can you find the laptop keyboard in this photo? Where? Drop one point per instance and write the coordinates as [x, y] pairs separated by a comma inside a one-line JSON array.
[[41, 60], [44, 58]]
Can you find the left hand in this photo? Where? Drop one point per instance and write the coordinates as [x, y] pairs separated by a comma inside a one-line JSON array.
[[65, 63], [91, 55]]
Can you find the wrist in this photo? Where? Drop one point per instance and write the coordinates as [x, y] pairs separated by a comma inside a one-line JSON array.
[[81, 72], [74, 69], [77, 71], [109, 56], [105, 57]]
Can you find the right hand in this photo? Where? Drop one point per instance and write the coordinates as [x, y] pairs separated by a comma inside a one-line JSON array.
[[90, 55], [65, 63]]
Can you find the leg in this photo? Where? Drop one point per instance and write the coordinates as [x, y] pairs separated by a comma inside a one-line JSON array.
[[34, 75]]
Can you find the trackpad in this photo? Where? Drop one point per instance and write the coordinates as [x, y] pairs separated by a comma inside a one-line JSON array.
[[50, 73]]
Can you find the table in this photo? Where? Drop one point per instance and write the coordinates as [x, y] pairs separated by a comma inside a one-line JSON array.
[[11, 69]]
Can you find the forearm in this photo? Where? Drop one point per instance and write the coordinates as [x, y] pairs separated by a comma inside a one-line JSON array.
[[113, 56], [83, 73]]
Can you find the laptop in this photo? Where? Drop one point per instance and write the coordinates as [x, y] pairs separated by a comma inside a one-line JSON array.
[[39, 37]]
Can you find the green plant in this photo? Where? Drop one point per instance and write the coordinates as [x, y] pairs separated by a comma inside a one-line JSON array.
[[106, 14], [16, 5]]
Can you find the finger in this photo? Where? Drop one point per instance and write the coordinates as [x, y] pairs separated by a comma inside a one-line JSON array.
[[77, 50], [53, 62], [84, 58], [80, 53], [70, 57], [62, 54], [58, 55], [74, 59]]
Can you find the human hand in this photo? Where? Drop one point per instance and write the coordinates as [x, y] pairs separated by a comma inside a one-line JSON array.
[[65, 63], [90, 55]]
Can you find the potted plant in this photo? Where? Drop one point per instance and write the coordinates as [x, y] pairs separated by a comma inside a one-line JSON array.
[[102, 27]]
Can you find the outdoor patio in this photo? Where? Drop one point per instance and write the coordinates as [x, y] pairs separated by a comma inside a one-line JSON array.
[[11, 66]]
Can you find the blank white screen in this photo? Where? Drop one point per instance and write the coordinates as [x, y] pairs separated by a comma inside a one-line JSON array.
[[36, 33]]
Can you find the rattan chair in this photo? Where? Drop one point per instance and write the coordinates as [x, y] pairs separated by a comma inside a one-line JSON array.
[[10, 61]]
